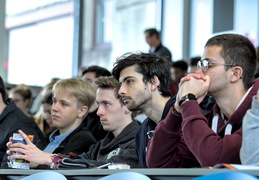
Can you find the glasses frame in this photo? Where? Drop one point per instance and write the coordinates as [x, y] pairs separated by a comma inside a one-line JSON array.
[[204, 68]]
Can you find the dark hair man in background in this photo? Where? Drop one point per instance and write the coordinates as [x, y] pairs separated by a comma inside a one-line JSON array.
[[193, 64], [156, 47], [178, 70], [92, 120]]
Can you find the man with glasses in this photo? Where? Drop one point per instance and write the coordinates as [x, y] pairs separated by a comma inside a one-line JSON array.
[[224, 72], [153, 39]]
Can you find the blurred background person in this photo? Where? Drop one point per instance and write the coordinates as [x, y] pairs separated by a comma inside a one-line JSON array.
[[193, 64], [39, 115], [22, 96], [178, 70], [153, 39], [92, 120], [36, 104], [91, 73], [12, 119], [46, 124]]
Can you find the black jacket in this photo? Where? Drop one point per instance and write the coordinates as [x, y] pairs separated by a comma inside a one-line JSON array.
[[162, 52], [11, 120], [142, 138], [77, 142], [93, 123], [120, 149]]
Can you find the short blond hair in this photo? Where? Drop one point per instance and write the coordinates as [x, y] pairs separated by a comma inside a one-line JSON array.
[[81, 90]]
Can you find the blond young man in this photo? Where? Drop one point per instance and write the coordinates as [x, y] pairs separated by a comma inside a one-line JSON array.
[[72, 99]]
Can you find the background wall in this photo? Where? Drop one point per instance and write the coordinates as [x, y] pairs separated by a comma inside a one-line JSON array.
[[185, 27], [3, 43], [129, 20]]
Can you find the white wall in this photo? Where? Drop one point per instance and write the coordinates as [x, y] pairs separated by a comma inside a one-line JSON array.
[[173, 27], [246, 19], [129, 25], [245, 22], [201, 25], [3, 49], [130, 19]]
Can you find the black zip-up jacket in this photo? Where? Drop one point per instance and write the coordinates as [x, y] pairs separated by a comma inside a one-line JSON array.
[[11, 120], [77, 142], [120, 149], [142, 138]]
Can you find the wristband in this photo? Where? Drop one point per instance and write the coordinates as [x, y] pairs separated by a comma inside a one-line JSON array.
[[175, 112], [187, 97]]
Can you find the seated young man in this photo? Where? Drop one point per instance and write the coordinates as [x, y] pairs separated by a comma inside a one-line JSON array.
[[92, 120], [119, 144], [144, 81], [224, 72], [11, 119], [72, 99]]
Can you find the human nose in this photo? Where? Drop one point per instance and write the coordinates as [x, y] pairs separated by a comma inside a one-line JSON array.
[[122, 90], [54, 107], [199, 71], [99, 111]]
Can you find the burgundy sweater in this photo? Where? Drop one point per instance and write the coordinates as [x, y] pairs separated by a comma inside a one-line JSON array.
[[177, 140]]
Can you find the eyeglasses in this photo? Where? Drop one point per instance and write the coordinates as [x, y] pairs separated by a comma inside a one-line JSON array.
[[204, 64]]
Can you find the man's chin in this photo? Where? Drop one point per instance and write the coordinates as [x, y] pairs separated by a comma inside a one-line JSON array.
[[132, 108]]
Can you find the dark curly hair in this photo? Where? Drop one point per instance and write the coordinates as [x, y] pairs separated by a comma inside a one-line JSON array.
[[147, 64]]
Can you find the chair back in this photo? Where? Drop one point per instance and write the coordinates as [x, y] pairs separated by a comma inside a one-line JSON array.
[[126, 176], [50, 175], [233, 175]]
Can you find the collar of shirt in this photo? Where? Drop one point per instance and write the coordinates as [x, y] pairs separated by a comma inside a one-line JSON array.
[[54, 137], [55, 140]]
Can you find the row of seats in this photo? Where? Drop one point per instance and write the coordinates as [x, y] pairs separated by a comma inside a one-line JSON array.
[[232, 175]]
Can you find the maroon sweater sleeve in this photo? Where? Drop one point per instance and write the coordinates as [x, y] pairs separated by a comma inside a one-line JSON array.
[[167, 149], [207, 146]]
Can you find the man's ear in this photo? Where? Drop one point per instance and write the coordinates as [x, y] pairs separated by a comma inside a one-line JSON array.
[[83, 110], [237, 73], [154, 83]]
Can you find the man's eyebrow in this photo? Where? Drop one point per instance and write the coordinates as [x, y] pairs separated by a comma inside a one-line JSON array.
[[104, 102], [64, 101], [123, 80], [208, 59]]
